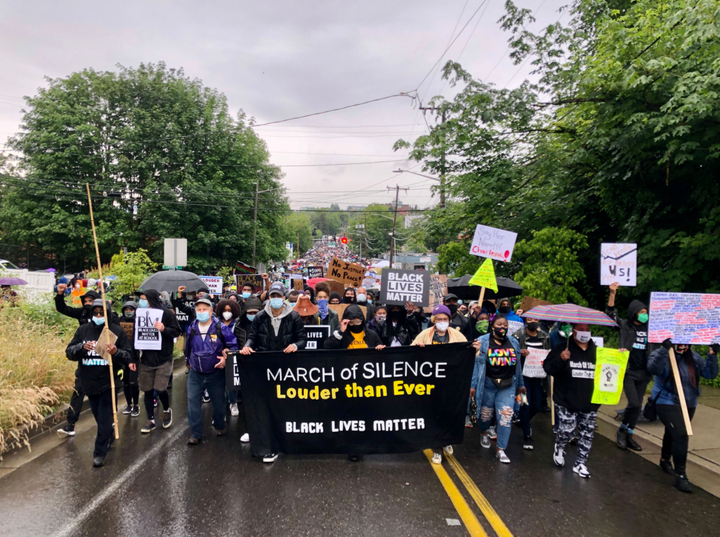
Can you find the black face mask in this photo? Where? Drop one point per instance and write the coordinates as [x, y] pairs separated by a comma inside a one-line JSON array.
[[394, 315], [500, 333], [87, 307], [453, 308], [532, 327], [357, 329], [348, 300], [504, 309]]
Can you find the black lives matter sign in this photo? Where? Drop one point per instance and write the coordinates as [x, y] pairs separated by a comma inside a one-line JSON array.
[[401, 286]]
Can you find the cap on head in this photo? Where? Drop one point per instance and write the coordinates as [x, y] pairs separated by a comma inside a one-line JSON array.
[[205, 301], [277, 289], [450, 296]]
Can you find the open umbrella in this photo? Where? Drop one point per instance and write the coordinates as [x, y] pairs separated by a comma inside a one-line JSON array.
[[312, 282], [10, 280], [569, 313], [170, 280], [464, 291]]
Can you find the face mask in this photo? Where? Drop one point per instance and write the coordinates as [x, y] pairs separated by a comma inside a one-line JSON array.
[[532, 327], [361, 297], [369, 301], [380, 318], [347, 300], [356, 329], [442, 327], [582, 337], [504, 309], [129, 314], [276, 303], [500, 333], [88, 306], [99, 320], [250, 317], [453, 308], [203, 316], [643, 318], [227, 315], [482, 326], [682, 349], [394, 315], [143, 303], [246, 295]]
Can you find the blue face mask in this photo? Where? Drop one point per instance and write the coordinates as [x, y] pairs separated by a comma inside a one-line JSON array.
[[143, 303], [276, 303], [99, 320], [203, 316], [250, 317], [361, 297], [246, 295], [323, 307]]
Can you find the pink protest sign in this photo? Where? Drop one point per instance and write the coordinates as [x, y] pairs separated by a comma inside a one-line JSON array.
[[689, 318], [493, 243]]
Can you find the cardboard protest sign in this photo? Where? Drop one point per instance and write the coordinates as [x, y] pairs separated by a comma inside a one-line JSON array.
[[403, 399], [618, 263], [298, 284], [214, 284], [533, 367], [106, 338], [252, 279], [340, 309], [401, 286], [315, 335], [336, 287], [529, 302], [129, 328], [688, 318], [610, 365], [147, 337], [348, 273], [315, 272], [485, 276], [493, 243], [438, 289]]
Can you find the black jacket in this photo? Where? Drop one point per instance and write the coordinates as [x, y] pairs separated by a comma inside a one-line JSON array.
[[574, 378], [405, 331], [372, 340], [628, 335], [262, 334], [92, 368], [83, 315], [168, 335], [465, 325]]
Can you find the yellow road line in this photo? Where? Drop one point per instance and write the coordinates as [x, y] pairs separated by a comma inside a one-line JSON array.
[[495, 521], [461, 506]]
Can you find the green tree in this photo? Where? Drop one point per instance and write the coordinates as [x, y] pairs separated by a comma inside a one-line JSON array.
[[378, 221], [129, 271], [327, 222], [163, 157], [299, 225], [455, 259], [548, 265]]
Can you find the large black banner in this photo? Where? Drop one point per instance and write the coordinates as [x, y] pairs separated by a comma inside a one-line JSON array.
[[355, 401]]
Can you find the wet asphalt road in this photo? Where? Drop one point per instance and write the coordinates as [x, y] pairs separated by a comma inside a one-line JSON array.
[[157, 485]]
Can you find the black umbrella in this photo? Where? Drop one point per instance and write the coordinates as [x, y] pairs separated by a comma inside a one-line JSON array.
[[170, 280], [465, 291]]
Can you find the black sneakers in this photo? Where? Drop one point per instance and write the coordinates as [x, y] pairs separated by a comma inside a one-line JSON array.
[[149, 427], [167, 418], [135, 412], [682, 484], [667, 467], [127, 410], [68, 430], [528, 443], [98, 462]]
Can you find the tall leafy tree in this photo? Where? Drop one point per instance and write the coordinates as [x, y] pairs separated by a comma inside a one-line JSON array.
[[163, 157]]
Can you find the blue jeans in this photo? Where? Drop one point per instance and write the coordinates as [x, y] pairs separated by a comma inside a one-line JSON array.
[[500, 401], [232, 397], [214, 383]]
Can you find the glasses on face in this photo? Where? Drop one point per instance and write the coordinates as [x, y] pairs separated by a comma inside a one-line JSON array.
[[98, 314], [356, 322]]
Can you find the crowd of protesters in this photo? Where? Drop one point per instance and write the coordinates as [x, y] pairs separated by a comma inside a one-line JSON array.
[[274, 318]]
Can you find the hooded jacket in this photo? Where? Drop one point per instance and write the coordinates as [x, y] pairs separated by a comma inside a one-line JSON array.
[[574, 379], [332, 319], [270, 333], [83, 315], [168, 335], [92, 368], [406, 329], [664, 388], [633, 337], [342, 340], [201, 352]]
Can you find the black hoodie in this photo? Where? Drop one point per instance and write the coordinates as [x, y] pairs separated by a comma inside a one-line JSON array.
[[83, 315], [344, 340], [406, 329], [633, 337], [574, 378], [168, 335], [92, 368]]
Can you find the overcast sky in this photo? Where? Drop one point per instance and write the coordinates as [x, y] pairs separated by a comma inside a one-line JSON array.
[[279, 59]]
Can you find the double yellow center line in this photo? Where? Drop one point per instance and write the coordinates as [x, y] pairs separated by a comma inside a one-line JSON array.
[[461, 506]]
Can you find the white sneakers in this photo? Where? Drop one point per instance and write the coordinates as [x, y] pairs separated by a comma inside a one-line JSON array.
[[245, 438], [449, 450], [558, 457], [437, 458], [485, 441], [270, 458], [234, 410], [502, 457], [581, 470]]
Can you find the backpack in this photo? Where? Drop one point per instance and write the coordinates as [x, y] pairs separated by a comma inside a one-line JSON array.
[[218, 332]]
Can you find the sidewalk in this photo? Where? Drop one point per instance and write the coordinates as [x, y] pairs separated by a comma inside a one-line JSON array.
[[704, 454]]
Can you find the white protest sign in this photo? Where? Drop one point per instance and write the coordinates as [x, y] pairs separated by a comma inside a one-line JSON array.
[[598, 340], [515, 326], [609, 377], [214, 284], [533, 367], [147, 337], [618, 263], [493, 243]]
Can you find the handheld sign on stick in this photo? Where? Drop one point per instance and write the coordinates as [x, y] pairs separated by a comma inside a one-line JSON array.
[[106, 336]]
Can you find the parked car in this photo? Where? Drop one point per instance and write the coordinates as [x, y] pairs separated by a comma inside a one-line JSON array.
[[7, 265]]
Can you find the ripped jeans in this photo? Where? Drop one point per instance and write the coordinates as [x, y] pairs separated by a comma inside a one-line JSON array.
[[500, 402]]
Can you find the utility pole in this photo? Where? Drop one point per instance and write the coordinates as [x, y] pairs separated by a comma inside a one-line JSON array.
[[367, 253], [442, 158], [298, 243], [392, 246], [255, 224]]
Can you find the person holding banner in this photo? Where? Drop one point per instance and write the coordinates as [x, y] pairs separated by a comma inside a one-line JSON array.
[[496, 382], [439, 334], [531, 339], [94, 374], [572, 365], [691, 367], [130, 374], [399, 329], [229, 311]]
